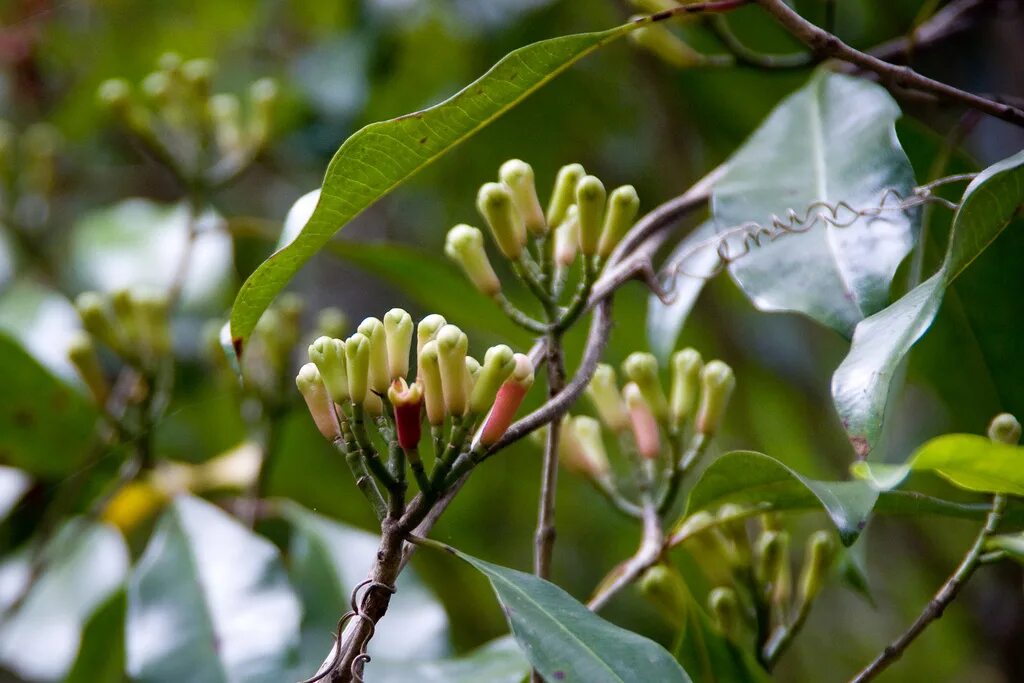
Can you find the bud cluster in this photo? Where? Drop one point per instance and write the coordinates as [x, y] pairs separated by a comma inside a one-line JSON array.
[[205, 137], [753, 576], [581, 220], [368, 375], [134, 325]]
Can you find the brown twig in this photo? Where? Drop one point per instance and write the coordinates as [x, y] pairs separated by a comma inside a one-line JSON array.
[[825, 45], [937, 605], [544, 538]]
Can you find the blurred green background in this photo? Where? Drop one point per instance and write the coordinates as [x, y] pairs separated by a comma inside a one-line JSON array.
[[628, 118]]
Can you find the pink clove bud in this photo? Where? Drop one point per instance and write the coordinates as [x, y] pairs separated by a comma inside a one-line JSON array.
[[645, 427], [507, 402]]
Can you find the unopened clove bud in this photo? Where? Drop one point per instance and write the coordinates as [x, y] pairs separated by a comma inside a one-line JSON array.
[[725, 611], [623, 204], [379, 378], [427, 330], [499, 362], [773, 565], [398, 328], [329, 357], [717, 383], [592, 458], [604, 394], [83, 356], [686, 369], [406, 401], [590, 196], [734, 530], [319, 403], [564, 193], [430, 376], [642, 369], [465, 246], [666, 590], [645, 426], [507, 402], [472, 372], [494, 202], [821, 550], [517, 175], [1004, 428], [567, 238], [452, 345], [97, 319], [357, 361]]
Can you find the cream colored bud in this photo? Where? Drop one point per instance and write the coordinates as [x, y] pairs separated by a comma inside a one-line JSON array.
[[1004, 428], [567, 238], [329, 357], [427, 330], [465, 246], [642, 369], [319, 403], [499, 362], [398, 329], [603, 391], [452, 345], [430, 376], [686, 369], [357, 361], [380, 377], [517, 175], [591, 442], [717, 384]]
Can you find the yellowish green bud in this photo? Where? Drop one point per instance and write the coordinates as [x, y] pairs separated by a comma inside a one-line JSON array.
[[465, 246], [667, 46], [398, 329], [564, 193], [604, 394], [97, 319], [427, 330], [623, 204], [157, 87], [430, 376], [725, 612], [115, 94], [357, 361], [199, 74], [380, 378], [329, 357], [642, 369], [319, 403], [517, 175], [717, 383], [567, 238], [821, 550], [666, 590], [590, 196], [1004, 428], [82, 354], [472, 372], [452, 345], [225, 111], [773, 568], [169, 61], [735, 532], [499, 362], [686, 369], [494, 202], [591, 445]]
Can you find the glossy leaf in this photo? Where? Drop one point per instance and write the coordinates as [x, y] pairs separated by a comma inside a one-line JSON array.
[[382, 155], [498, 661], [13, 485], [85, 564], [749, 478], [974, 462], [210, 600], [564, 641], [101, 658], [861, 384], [327, 560], [46, 427], [686, 270], [832, 141]]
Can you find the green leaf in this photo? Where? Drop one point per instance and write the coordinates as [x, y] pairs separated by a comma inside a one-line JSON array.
[[1011, 544], [565, 641], [13, 485], [44, 321], [498, 661], [689, 266], [832, 141], [861, 384], [749, 478], [46, 427], [101, 657], [210, 600], [381, 156], [327, 560], [973, 462], [85, 564]]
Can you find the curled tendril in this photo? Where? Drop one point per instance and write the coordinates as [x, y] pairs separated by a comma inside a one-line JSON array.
[[361, 658], [737, 241]]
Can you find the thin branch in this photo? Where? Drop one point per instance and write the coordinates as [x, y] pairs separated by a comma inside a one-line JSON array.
[[934, 609], [826, 45], [951, 19], [544, 538], [647, 555]]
